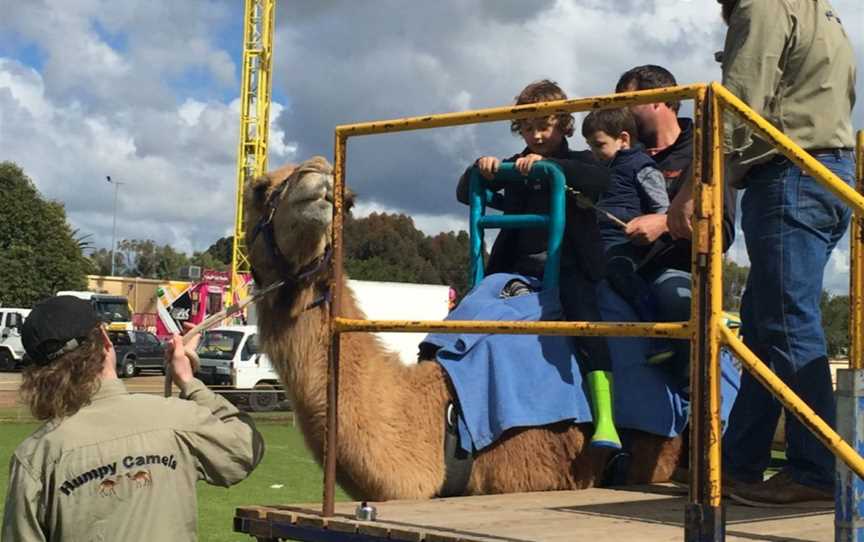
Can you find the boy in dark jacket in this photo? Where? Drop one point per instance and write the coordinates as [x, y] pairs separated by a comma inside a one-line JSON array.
[[637, 188], [523, 251]]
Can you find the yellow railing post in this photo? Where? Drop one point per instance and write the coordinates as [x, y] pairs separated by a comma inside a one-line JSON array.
[[849, 505], [704, 518], [856, 270], [332, 421]]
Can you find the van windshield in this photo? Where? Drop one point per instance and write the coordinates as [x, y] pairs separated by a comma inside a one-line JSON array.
[[112, 311], [219, 344]]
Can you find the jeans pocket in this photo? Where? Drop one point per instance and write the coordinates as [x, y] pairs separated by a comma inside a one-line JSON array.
[[816, 206]]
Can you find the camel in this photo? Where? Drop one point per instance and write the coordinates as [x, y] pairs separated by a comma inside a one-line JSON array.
[[391, 416]]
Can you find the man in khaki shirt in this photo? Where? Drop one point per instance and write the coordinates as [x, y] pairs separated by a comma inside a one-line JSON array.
[[791, 61], [109, 465]]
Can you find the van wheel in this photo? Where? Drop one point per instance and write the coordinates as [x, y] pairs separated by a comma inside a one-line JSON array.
[[263, 398], [7, 363], [128, 369]]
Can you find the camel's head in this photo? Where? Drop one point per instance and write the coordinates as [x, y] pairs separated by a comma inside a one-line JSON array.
[[288, 213]]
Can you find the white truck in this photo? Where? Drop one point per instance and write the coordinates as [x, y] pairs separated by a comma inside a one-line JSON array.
[[232, 364], [11, 349]]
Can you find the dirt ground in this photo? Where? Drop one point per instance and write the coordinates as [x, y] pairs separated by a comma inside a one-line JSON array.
[[144, 383]]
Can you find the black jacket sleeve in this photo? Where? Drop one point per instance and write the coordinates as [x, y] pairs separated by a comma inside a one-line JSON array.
[[464, 186], [584, 173]]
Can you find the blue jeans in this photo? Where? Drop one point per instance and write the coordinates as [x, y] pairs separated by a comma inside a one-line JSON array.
[[791, 225], [672, 290]]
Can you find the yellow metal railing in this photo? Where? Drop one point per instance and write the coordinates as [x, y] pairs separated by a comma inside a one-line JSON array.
[[856, 270], [706, 328], [706, 315], [726, 101]]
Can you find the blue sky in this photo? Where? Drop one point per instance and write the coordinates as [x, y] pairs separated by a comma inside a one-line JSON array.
[[147, 92]]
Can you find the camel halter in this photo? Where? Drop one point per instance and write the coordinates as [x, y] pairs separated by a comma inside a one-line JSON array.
[[306, 273]]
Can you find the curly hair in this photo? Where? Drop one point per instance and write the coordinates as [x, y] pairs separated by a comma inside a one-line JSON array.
[[544, 90], [67, 384]]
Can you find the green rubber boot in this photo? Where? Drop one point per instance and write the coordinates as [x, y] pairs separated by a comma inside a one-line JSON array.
[[605, 434]]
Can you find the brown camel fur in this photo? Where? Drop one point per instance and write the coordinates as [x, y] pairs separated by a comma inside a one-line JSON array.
[[391, 416]]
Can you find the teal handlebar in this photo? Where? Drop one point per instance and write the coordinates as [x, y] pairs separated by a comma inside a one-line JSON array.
[[480, 196]]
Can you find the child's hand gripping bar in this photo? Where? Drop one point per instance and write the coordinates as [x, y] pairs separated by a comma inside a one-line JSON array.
[[480, 197]]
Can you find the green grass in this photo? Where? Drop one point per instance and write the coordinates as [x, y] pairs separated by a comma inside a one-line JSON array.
[[16, 414], [286, 463]]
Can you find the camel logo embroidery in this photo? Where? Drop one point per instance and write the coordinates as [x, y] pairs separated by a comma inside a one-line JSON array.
[[141, 478], [106, 487], [108, 474]]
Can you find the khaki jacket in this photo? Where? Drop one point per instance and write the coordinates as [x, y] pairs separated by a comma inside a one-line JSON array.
[[125, 466], [792, 62]]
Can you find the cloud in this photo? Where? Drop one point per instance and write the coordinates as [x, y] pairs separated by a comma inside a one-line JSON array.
[[147, 92], [361, 67], [177, 166]]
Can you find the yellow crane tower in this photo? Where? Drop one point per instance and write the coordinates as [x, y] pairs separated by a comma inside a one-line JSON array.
[[258, 22]]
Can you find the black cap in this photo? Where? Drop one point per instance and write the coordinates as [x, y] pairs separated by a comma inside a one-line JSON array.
[[56, 326]]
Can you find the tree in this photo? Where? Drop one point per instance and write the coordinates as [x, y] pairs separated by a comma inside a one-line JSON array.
[[450, 254], [389, 247], [138, 257], [734, 281], [222, 249], [39, 253], [101, 261], [386, 247], [144, 258], [835, 322], [206, 260], [169, 262]]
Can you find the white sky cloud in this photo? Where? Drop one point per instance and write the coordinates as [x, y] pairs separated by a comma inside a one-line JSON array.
[[147, 92]]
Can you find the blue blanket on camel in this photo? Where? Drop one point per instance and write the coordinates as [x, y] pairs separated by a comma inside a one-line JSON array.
[[507, 381]]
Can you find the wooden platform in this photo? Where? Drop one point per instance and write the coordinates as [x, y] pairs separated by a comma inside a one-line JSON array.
[[635, 514]]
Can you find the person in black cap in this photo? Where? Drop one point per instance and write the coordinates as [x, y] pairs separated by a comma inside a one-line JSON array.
[[106, 464]]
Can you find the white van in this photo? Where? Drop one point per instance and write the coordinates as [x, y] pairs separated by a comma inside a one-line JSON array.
[[11, 349], [232, 364]]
